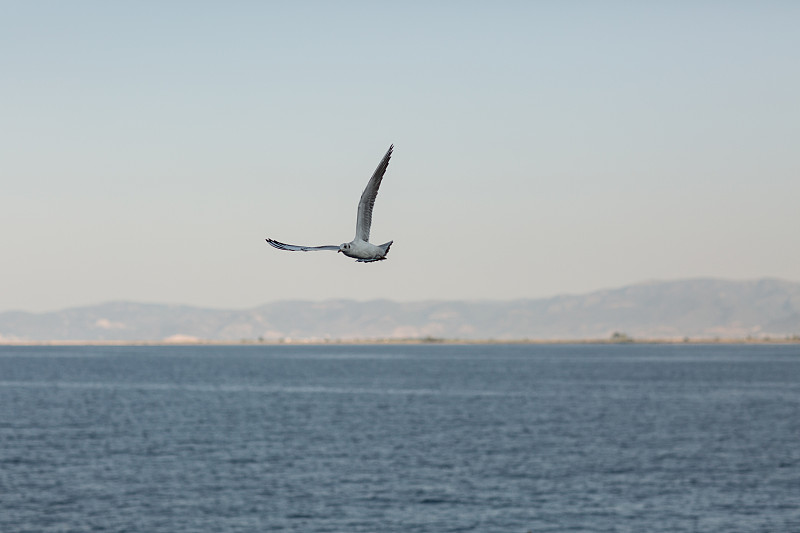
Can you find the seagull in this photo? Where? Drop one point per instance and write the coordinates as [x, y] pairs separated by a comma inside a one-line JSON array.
[[359, 248]]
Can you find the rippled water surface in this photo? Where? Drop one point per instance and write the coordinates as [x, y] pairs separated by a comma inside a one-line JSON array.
[[431, 438]]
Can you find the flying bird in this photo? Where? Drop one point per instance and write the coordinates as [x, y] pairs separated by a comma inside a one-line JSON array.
[[359, 248]]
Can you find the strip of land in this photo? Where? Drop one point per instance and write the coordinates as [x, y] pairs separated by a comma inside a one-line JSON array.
[[327, 342]]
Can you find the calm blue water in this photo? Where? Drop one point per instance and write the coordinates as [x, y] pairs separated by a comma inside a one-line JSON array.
[[622, 438]]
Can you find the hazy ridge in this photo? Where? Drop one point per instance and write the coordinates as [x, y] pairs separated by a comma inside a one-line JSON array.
[[695, 308]]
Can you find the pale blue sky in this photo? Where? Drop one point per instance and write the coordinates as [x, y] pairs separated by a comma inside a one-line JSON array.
[[148, 148]]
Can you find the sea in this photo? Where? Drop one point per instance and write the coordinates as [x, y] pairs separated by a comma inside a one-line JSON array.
[[400, 438]]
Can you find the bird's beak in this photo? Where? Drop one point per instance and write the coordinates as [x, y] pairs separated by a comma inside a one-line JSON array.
[[339, 250]]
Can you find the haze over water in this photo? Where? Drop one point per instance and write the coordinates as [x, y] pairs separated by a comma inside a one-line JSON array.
[[400, 438]]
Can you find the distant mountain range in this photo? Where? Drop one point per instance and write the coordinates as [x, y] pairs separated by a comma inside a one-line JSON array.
[[696, 308]]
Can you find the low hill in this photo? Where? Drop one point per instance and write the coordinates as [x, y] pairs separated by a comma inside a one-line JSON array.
[[697, 308]]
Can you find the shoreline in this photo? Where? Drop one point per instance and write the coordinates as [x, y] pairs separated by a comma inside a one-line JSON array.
[[391, 341]]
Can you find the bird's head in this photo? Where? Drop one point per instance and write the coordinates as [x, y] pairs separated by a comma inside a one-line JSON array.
[[344, 247]]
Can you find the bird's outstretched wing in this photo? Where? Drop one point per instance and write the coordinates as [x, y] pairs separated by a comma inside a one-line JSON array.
[[364, 218], [296, 248]]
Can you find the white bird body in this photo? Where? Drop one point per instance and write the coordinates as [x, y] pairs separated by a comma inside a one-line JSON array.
[[359, 248], [364, 251]]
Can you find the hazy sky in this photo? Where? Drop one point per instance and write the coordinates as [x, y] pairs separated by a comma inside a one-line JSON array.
[[148, 148]]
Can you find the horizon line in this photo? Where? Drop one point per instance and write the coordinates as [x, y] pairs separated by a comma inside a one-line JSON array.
[[431, 300]]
